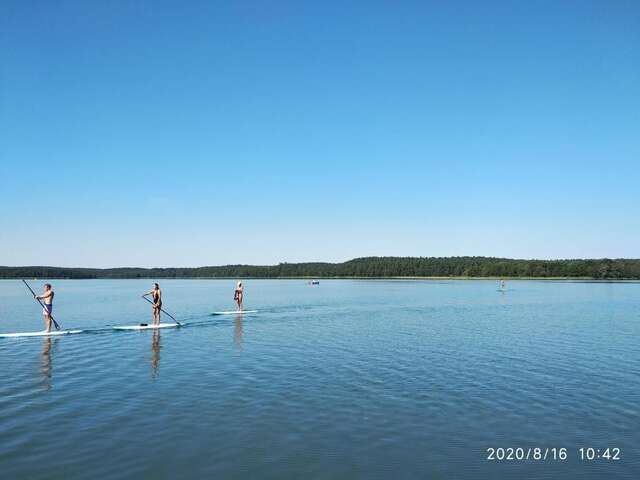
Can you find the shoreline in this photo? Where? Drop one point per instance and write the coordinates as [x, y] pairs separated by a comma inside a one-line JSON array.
[[433, 268], [460, 278]]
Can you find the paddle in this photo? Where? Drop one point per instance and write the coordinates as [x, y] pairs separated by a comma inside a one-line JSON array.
[[41, 304], [170, 316]]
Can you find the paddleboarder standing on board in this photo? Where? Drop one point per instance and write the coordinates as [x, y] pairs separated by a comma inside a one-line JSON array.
[[156, 296], [47, 311], [238, 294]]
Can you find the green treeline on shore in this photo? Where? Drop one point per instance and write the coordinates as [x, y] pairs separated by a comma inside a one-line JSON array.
[[369, 267]]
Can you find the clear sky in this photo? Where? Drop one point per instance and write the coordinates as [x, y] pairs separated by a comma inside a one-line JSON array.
[[200, 133]]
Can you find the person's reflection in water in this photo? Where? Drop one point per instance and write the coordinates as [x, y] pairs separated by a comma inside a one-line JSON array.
[[237, 333], [155, 353], [46, 366]]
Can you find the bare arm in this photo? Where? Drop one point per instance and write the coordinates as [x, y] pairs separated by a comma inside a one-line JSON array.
[[42, 297]]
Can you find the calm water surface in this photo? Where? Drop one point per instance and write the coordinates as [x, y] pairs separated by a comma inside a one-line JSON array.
[[348, 379]]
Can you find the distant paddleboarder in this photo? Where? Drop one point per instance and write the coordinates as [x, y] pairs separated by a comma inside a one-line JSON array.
[[238, 294], [156, 296], [501, 284], [47, 311]]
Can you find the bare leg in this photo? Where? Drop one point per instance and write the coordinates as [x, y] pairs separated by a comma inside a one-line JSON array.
[[47, 323], [158, 315]]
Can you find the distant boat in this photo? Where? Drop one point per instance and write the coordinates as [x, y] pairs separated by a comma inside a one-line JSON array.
[[314, 282]]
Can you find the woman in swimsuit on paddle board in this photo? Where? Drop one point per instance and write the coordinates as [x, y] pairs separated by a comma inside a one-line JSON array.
[[156, 296], [237, 296]]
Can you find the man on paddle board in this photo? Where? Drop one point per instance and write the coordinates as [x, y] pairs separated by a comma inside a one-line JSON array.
[[237, 296], [156, 296], [47, 311]]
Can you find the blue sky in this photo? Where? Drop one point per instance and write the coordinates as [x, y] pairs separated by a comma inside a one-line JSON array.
[[201, 133]]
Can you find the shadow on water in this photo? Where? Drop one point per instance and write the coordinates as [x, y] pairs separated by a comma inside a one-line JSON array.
[[237, 332], [155, 353], [46, 364]]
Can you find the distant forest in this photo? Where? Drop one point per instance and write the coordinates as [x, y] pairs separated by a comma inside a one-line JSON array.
[[370, 267]]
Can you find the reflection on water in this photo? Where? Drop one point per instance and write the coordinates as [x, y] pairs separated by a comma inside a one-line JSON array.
[[362, 380], [237, 332], [46, 366], [155, 353]]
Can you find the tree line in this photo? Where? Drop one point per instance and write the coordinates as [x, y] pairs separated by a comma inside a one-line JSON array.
[[368, 267]]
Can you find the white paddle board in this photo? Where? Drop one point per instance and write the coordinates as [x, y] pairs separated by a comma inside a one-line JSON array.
[[235, 312], [40, 334], [146, 327]]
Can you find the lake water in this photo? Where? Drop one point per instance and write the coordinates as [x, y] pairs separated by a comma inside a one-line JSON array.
[[348, 379]]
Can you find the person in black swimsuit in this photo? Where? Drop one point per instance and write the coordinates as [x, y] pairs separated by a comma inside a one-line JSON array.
[[156, 296]]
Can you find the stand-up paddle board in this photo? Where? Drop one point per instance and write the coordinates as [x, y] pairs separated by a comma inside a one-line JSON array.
[[236, 312], [145, 326], [39, 334]]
